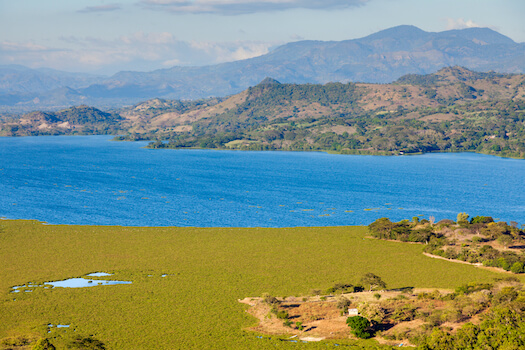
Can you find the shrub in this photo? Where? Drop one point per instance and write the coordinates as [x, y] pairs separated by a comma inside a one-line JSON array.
[[270, 300], [280, 314], [360, 326], [343, 303], [481, 220], [43, 344], [517, 267], [341, 288]]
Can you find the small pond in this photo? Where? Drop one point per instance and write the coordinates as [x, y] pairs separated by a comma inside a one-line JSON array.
[[79, 282]]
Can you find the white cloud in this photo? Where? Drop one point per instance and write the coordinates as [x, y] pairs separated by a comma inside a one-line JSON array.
[[138, 51], [101, 8], [238, 7], [9, 46], [460, 23]]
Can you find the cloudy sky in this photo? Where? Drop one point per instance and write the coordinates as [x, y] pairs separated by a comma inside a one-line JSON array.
[[106, 36]]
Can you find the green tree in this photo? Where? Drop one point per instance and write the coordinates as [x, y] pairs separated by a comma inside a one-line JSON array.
[[360, 326], [462, 219], [517, 267], [372, 281], [505, 240]]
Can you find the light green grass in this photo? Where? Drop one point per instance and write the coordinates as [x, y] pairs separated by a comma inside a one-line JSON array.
[[209, 269]]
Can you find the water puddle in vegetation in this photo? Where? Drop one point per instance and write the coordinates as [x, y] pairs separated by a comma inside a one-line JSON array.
[[80, 282], [99, 274], [58, 325]]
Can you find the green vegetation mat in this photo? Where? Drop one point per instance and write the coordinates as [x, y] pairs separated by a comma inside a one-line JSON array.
[[208, 270]]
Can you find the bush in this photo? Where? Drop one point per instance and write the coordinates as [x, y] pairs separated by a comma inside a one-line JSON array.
[[43, 344], [270, 300], [280, 314], [343, 303], [481, 220], [360, 326], [517, 267]]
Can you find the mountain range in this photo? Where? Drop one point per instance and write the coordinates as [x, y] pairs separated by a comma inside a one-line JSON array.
[[454, 109], [378, 58]]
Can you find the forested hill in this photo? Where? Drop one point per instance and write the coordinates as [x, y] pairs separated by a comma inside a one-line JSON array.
[[75, 120], [451, 110]]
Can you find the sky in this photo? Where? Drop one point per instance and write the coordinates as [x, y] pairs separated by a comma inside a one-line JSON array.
[[107, 36]]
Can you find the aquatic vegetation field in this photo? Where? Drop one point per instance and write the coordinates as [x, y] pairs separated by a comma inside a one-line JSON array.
[[206, 270]]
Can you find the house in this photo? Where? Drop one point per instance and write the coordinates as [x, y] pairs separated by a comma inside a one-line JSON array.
[[353, 312]]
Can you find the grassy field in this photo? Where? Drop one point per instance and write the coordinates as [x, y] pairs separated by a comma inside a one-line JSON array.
[[208, 270]]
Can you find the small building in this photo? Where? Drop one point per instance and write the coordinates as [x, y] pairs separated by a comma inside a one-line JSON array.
[[353, 312]]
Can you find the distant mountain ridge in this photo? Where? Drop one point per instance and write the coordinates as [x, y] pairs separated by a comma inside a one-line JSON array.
[[381, 57]]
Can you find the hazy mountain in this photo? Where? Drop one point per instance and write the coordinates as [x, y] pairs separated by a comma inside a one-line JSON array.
[[19, 79], [378, 58]]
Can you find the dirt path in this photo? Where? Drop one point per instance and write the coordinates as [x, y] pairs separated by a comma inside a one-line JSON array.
[[490, 268]]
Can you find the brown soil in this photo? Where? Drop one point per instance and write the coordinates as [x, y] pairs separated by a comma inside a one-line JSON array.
[[321, 318]]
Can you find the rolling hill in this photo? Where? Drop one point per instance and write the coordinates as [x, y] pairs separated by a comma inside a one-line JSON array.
[[454, 109]]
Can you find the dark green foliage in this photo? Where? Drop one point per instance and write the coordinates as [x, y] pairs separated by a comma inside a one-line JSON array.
[[360, 326], [481, 220], [343, 288]]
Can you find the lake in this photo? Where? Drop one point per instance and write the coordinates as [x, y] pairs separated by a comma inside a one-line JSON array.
[[90, 180]]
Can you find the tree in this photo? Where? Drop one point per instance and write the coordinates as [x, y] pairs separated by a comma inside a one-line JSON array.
[[517, 267], [462, 219], [381, 228], [360, 326], [505, 240], [372, 281]]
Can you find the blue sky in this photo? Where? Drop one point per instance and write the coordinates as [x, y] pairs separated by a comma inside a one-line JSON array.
[[106, 36]]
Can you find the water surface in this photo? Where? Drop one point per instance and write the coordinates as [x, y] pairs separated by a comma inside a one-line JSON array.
[[91, 180]]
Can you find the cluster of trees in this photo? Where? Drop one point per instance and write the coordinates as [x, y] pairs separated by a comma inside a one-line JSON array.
[[368, 281], [501, 307], [479, 237], [502, 325], [485, 127], [83, 120]]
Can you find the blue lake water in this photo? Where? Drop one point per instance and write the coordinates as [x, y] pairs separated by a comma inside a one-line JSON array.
[[91, 180]]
